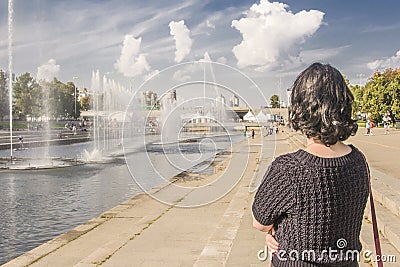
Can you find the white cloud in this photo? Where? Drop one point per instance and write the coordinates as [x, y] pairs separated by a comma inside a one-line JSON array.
[[272, 33], [189, 71], [131, 62], [391, 62], [222, 60], [181, 75], [151, 74], [215, 22], [321, 54], [183, 42], [209, 24], [48, 71]]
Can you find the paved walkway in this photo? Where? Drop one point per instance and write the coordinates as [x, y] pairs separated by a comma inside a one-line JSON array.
[[145, 232]]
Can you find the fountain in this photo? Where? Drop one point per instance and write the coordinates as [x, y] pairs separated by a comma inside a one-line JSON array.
[[109, 100], [22, 158], [194, 124], [10, 69], [169, 136], [127, 123], [106, 117], [14, 162]]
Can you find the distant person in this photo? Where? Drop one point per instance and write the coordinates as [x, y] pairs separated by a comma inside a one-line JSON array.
[[271, 128], [371, 126], [21, 142], [367, 127], [386, 123], [312, 200], [252, 134]]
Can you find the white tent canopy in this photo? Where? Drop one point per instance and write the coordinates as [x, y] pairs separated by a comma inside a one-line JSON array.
[[249, 116], [261, 117]]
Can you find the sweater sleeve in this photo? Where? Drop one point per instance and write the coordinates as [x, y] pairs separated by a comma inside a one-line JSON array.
[[275, 195]]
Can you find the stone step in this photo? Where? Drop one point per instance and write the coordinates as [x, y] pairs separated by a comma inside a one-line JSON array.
[[386, 190], [388, 224], [388, 250]]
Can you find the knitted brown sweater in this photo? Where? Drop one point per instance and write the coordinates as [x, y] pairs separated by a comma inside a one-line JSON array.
[[316, 205]]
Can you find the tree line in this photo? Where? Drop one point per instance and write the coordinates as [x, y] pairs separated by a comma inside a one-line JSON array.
[[379, 97], [55, 99]]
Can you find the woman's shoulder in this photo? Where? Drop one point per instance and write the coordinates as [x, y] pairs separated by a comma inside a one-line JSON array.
[[287, 159], [284, 168], [356, 153]]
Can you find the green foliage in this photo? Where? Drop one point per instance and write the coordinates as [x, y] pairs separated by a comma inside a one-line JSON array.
[[27, 96], [59, 99], [85, 103], [3, 95], [17, 125], [382, 95], [357, 92], [53, 99], [275, 101]]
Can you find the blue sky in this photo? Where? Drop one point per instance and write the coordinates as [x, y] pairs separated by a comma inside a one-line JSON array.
[[129, 40]]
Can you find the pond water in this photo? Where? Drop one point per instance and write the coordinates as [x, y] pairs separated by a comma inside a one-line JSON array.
[[38, 205]]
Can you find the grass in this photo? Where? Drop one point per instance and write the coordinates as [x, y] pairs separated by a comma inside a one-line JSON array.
[[23, 125], [17, 125]]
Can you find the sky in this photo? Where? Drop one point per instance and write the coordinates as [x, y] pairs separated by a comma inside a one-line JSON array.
[[270, 43]]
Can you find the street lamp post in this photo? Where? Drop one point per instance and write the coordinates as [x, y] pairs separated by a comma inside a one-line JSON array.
[[74, 78]]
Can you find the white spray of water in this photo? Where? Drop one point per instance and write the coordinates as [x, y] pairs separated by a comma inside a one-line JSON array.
[[96, 89], [10, 67], [108, 105]]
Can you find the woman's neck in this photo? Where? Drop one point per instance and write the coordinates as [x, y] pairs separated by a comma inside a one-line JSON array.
[[316, 147]]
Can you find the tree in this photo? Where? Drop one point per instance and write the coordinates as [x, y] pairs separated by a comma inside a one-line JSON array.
[[27, 95], [59, 99], [85, 102], [275, 101], [3, 95], [382, 94], [357, 107]]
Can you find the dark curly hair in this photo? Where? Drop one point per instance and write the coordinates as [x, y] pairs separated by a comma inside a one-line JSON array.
[[321, 105]]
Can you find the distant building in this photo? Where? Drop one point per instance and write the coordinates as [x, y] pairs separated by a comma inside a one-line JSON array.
[[220, 99], [234, 101], [170, 96], [150, 100]]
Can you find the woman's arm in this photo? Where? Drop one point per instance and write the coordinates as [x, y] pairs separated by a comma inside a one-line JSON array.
[[261, 227], [270, 240]]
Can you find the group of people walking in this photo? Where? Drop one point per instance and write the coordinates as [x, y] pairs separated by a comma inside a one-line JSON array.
[[273, 128], [369, 125], [252, 134]]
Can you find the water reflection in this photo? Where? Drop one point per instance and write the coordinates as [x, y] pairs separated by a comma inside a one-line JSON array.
[[36, 206]]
